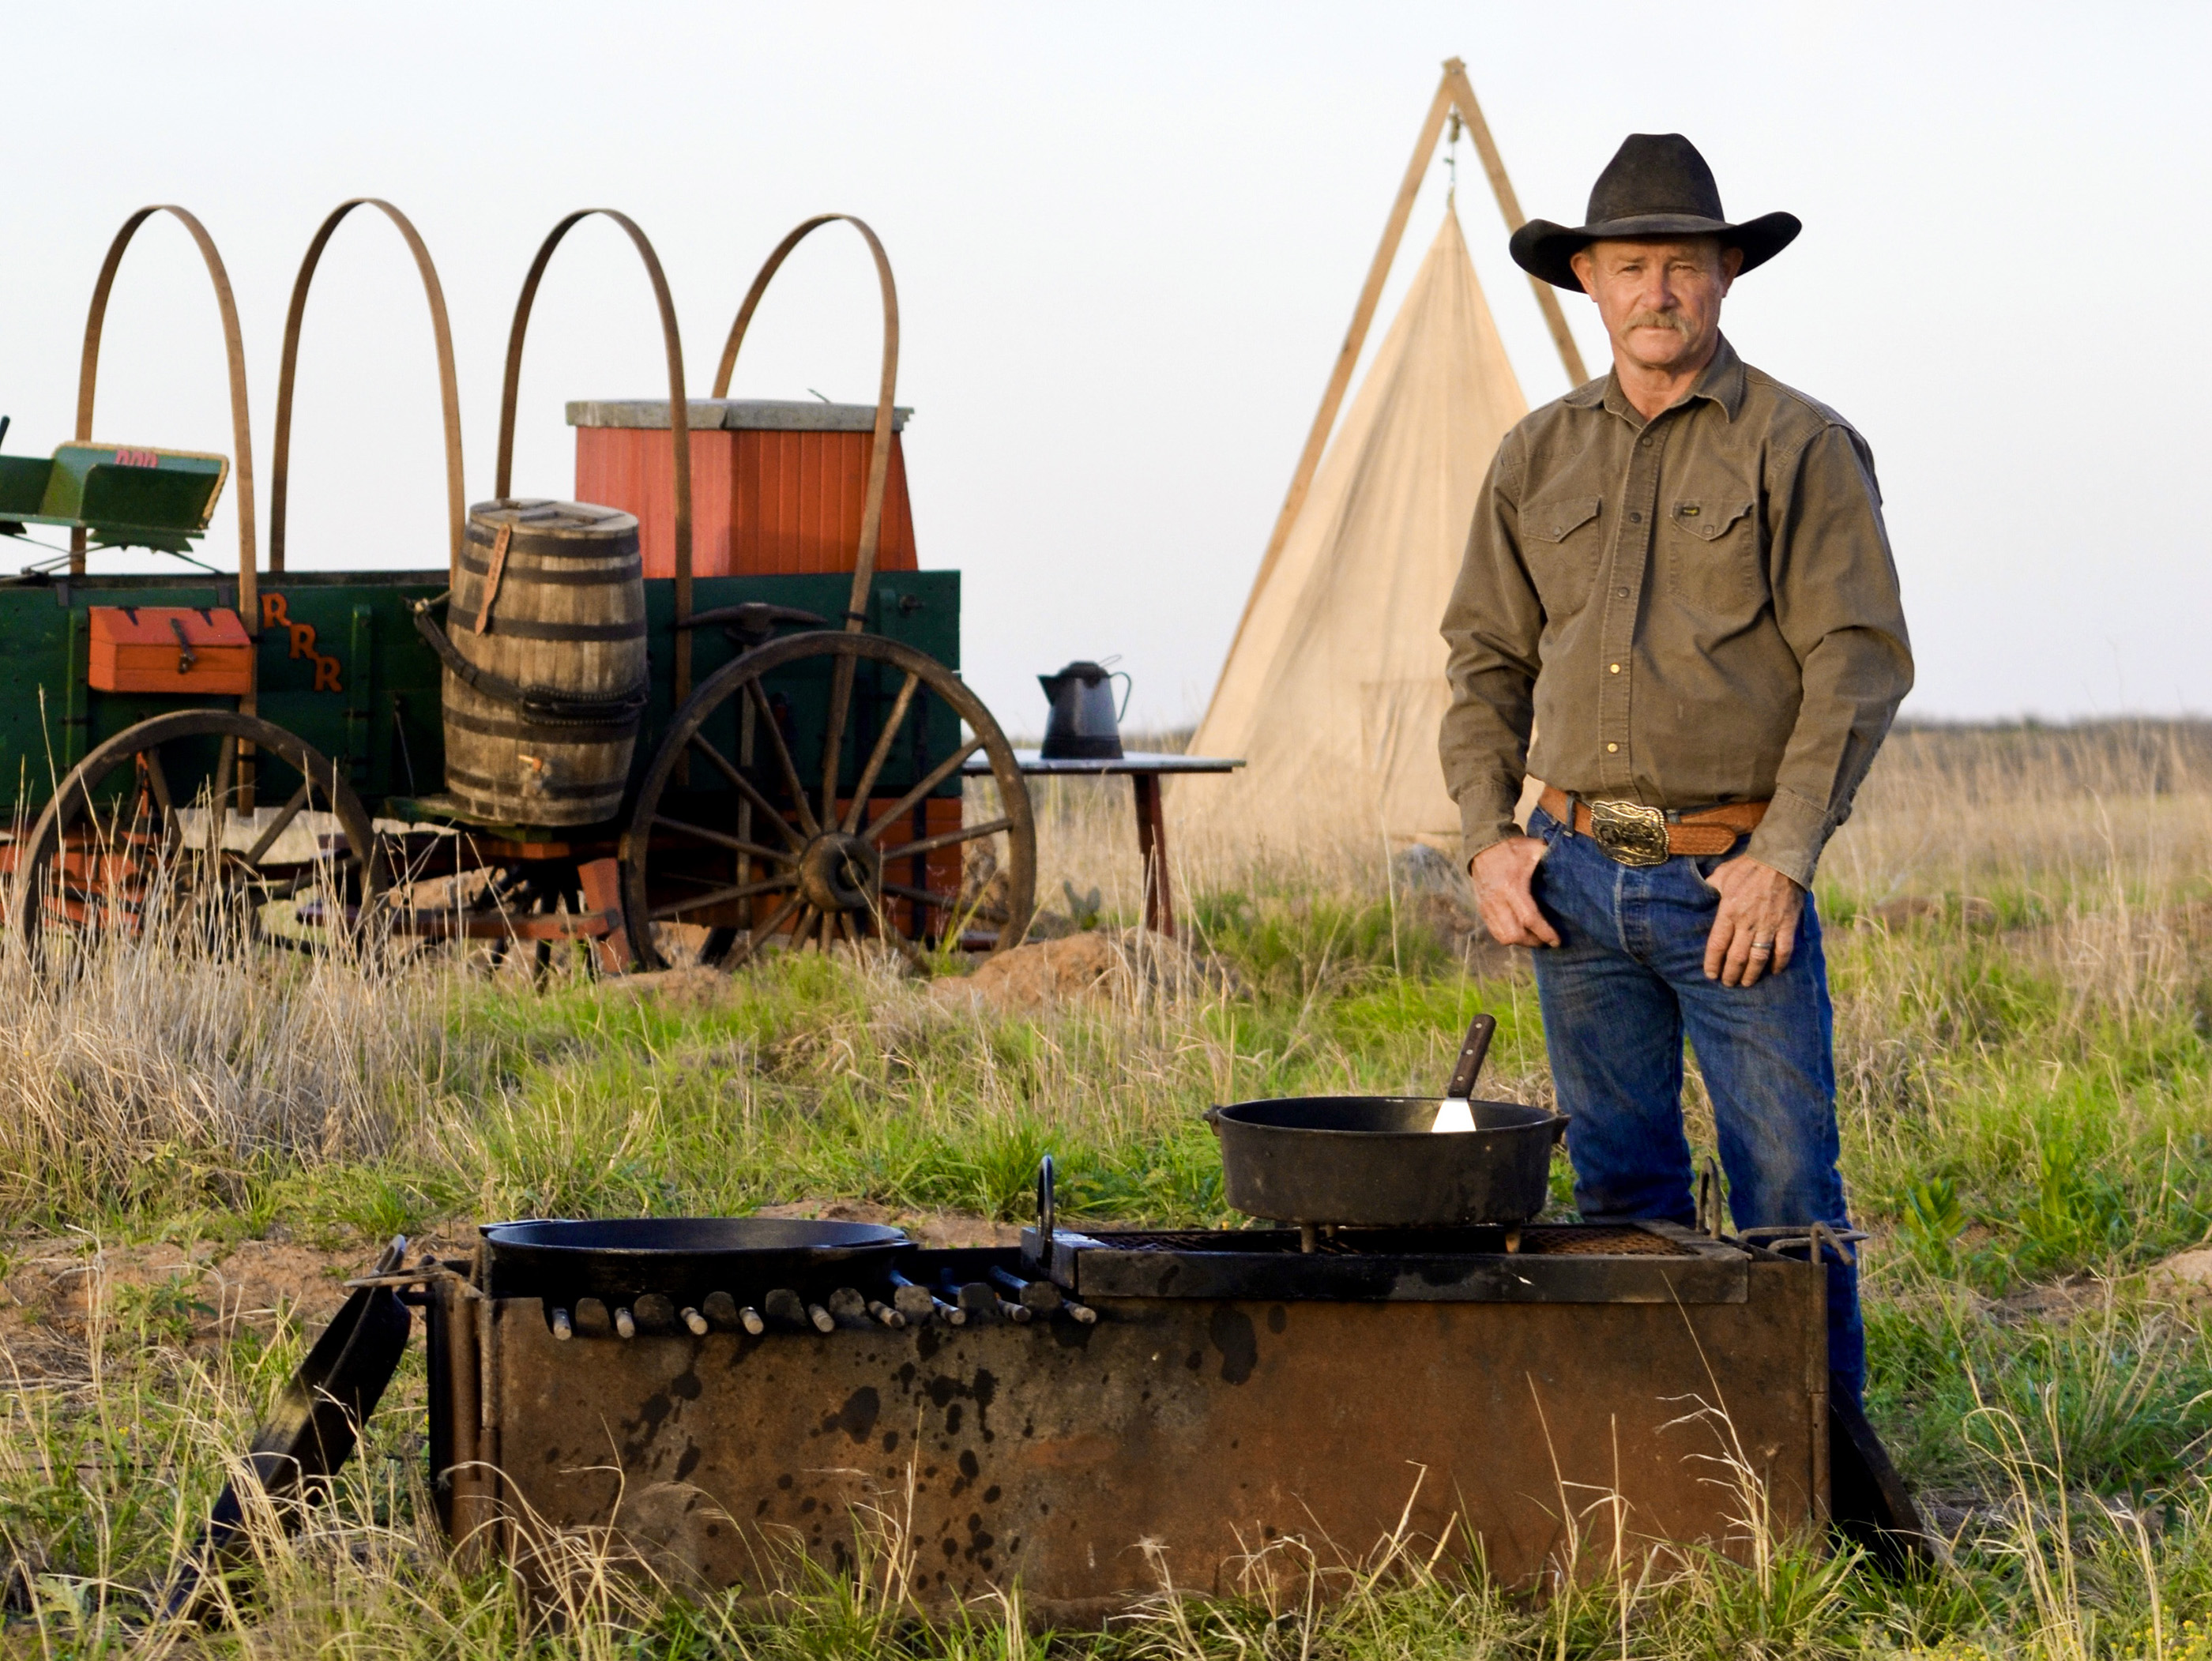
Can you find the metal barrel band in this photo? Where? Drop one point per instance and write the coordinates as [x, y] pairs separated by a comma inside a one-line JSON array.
[[540, 706]]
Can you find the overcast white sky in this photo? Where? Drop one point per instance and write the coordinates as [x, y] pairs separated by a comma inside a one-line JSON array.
[[1128, 241]]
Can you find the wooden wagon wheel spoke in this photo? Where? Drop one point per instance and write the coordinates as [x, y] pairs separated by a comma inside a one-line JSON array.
[[280, 824], [157, 780], [802, 930], [739, 891], [753, 795], [949, 838], [936, 775], [735, 844], [693, 879], [892, 725], [833, 736], [226, 769], [879, 927], [777, 919], [808, 823], [921, 896]]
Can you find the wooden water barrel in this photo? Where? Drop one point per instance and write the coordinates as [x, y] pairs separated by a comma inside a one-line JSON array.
[[541, 709]]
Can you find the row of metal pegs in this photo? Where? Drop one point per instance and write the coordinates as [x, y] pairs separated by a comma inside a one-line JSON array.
[[1002, 1295]]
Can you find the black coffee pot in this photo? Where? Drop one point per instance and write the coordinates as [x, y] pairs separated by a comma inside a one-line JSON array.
[[1084, 724]]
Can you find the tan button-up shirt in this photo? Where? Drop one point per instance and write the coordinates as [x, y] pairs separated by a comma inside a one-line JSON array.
[[1694, 609]]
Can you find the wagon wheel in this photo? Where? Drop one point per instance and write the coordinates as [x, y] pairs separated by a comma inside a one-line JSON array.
[[744, 827], [126, 841]]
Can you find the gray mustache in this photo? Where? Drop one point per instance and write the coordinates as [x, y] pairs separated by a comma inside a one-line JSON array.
[[1673, 320]]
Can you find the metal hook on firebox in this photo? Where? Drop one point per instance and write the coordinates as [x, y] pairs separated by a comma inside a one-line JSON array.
[[1710, 1198], [1047, 1206]]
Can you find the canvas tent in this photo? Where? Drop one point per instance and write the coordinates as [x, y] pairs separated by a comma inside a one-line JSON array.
[[1333, 688]]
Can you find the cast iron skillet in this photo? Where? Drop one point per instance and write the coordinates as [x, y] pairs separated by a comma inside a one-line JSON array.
[[620, 1259], [1374, 1163]]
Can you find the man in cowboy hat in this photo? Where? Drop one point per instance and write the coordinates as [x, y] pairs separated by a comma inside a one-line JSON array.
[[1679, 583]]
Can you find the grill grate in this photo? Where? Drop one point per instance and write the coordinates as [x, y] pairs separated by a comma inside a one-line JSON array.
[[1538, 1240]]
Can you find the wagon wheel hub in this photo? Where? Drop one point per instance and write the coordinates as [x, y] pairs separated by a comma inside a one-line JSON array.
[[747, 847], [839, 873]]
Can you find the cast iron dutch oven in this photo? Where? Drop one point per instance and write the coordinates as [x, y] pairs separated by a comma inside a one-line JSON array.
[[621, 1259], [1374, 1163]]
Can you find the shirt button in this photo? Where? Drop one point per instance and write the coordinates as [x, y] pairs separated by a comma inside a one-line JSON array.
[[1620, 594], [1635, 517], [1615, 668], [1610, 749]]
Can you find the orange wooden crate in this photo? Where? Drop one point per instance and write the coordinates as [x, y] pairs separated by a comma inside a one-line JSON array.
[[777, 489], [144, 649]]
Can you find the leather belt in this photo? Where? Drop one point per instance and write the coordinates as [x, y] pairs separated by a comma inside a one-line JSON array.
[[1637, 835]]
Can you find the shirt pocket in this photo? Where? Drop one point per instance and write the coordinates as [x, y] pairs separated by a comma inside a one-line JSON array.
[[1712, 555], [1562, 541]]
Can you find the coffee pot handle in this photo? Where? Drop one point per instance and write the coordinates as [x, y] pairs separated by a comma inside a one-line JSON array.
[[1128, 687]]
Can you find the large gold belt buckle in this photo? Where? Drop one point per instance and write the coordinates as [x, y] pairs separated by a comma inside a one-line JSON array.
[[1632, 832]]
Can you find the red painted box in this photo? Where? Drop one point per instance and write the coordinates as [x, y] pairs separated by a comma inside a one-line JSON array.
[[161, 648], [777, 487]]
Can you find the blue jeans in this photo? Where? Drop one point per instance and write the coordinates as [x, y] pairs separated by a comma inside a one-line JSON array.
[[1620, 992]]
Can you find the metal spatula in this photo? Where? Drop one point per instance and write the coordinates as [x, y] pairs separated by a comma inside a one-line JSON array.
[[1453, 1113]]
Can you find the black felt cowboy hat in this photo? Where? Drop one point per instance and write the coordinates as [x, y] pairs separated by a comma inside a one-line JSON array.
[[1656, 184]]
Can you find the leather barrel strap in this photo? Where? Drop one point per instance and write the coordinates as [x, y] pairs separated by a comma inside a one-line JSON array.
[[539, 705], [1708, 831]]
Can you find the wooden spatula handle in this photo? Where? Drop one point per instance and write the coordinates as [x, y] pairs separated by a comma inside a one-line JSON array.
[[1471, 1053]]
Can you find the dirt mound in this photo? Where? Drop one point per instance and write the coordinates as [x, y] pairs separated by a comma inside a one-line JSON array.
[[2186, 1275], [930, 1228], [57, 1294], [1043, 972], [1097, 963]]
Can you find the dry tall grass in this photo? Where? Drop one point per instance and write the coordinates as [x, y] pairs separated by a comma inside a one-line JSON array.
[[2019, 938]]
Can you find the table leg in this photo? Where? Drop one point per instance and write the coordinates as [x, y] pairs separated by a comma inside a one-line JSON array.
[[1153, 851]]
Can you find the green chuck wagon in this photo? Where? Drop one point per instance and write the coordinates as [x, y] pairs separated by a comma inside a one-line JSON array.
[[534, 742]]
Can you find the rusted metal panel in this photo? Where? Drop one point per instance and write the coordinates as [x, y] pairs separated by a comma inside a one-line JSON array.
[[763, 502], [1045, 1454]]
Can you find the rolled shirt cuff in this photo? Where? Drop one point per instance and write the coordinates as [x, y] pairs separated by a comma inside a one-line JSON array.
[[1484, 823], [1791, 836]]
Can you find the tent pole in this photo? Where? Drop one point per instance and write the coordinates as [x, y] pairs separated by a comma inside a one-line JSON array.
[[1547, 298], [1348, 357], [1455, 91]]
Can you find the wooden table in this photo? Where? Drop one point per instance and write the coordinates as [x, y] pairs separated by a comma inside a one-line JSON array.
[[1143, 768]]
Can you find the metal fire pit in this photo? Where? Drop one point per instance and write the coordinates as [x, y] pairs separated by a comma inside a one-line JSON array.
[[1255, 1412]]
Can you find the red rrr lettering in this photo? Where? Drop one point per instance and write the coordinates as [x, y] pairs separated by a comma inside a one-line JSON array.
[[275, 612]]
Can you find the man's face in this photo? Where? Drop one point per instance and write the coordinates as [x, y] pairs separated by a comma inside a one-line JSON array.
[[1660, 301]]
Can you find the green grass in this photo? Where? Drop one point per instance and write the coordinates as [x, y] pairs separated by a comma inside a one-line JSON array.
[[2023, 1106]]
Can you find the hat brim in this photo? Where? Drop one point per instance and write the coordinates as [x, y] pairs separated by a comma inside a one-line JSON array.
[[1547, 250]]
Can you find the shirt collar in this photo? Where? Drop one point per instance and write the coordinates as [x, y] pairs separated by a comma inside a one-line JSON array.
[[1722, 382]]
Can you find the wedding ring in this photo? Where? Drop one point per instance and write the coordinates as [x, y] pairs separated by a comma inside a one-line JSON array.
[[1764, 946]]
